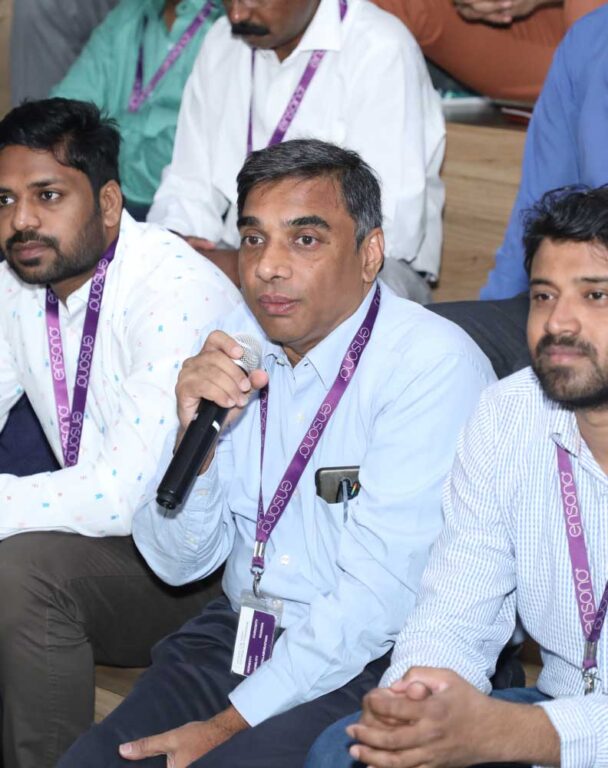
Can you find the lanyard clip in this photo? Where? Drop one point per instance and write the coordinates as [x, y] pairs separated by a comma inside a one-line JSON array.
[[257, 577], [590, 678]]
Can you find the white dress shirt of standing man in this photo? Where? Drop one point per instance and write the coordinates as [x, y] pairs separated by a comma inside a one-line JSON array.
[[342, 71], [97, 314], [346, 570], [526, 530]]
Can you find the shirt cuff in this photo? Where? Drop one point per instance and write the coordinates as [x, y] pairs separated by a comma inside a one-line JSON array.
[[263, 694], [582, 727]]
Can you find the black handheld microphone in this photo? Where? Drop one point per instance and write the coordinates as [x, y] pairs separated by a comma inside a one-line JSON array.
[[200, 435]]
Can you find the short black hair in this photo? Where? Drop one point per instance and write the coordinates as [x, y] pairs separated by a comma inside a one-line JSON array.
[[76, 132], [311, 158], [570, 214]]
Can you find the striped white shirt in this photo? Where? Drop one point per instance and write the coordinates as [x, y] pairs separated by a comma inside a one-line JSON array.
[[504, 549]]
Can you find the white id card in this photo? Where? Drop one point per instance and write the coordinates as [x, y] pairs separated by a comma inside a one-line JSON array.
[[259, 624]]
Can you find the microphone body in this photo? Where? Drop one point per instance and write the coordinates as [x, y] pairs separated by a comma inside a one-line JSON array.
[[200, 436]]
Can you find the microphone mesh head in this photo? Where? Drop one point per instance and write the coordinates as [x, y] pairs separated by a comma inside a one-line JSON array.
[[252, 351]]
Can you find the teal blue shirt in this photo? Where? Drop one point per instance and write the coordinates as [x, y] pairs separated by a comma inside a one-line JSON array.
[[105, 73]]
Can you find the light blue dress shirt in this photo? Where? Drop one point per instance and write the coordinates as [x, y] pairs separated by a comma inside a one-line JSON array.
[[566, 142], [504, 548], [347, 585]]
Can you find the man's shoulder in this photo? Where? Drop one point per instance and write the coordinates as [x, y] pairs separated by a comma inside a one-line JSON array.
[[585, 41], [14, 294], [161, 255], [517, 406], [219, 42], [371, 23], [410, 332]]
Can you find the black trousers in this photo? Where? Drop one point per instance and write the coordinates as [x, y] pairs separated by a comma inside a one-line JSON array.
[[66, 603], [189, 680]]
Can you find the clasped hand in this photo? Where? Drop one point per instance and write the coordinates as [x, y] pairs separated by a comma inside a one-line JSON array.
[[497, 11]]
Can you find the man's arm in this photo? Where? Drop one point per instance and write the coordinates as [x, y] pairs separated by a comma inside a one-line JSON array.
[[98, 496], [466, 605], [550, 161], [186, 200], [398, 128], [10, 385], [384, 543]]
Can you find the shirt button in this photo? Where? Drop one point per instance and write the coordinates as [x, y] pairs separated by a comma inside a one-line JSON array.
[[284, 560]]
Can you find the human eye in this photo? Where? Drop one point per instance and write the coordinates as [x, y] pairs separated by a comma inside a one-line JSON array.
[[251, 241], [598, 295], [6, 199], [48, 195], [307, 240], [539, 296]]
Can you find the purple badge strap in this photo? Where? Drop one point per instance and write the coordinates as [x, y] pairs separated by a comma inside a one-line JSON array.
[[592, 621], [267, 521], [71, 420], [293, 106], [139, 94]]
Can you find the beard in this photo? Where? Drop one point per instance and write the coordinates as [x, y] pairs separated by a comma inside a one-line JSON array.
[[571, 389], [80, 257]]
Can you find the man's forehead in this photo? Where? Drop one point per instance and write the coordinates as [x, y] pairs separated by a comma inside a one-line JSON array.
[[25, 164], [318, 192]]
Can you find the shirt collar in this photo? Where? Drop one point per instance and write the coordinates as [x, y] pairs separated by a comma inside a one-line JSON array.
[[81, 296], [563, 428], [324, 33], [327, 355]]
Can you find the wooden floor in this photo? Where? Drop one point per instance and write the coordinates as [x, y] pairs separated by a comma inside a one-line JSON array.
[[481, 174]]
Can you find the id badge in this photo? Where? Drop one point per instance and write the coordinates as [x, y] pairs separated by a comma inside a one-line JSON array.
[[259, 624]]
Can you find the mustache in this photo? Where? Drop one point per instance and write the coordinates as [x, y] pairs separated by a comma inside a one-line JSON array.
[[244, 29], [550, 340], [30, 236]]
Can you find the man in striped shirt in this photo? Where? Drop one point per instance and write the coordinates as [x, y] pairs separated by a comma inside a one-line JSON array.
[[526, 531]]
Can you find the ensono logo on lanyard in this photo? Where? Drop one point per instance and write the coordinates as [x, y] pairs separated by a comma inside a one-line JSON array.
[[592, 620], [297, 97], [71, 420]]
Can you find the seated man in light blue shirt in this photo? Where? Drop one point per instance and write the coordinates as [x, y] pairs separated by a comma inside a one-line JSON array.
[[526, 531], [345, 569], [566, 142]]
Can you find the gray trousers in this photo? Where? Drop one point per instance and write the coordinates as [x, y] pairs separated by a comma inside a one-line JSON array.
[[66, 603], [46, 37]]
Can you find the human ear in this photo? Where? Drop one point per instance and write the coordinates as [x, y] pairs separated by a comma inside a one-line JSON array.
[[110, 203], [372, 250]]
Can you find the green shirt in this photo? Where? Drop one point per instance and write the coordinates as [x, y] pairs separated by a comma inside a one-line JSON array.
[[105, 73]]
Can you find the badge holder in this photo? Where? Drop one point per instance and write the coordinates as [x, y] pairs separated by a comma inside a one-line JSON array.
[[259, 625]]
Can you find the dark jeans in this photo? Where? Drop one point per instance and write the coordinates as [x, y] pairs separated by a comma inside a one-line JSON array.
[[498, 328], [66, 603], [330, 750], [190, 679]]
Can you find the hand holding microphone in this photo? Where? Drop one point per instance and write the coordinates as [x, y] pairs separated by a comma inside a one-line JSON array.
[[212, 389]]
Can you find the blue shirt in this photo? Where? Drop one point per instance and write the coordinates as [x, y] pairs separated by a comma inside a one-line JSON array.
[[347, 585], [566, 142], [504, 549]]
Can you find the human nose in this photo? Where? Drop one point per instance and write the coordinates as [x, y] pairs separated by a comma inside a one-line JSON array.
[[24, 216], [273, 263], [562, 318], [238, 10]]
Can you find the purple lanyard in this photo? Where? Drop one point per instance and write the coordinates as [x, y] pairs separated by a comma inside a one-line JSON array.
[[293, 106], [71, 420], [592, 621], [139, 94], [267, 521]]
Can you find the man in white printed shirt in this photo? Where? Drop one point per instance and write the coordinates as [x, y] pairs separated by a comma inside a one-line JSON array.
[[526, 529], [371, 92], [97, 313]]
